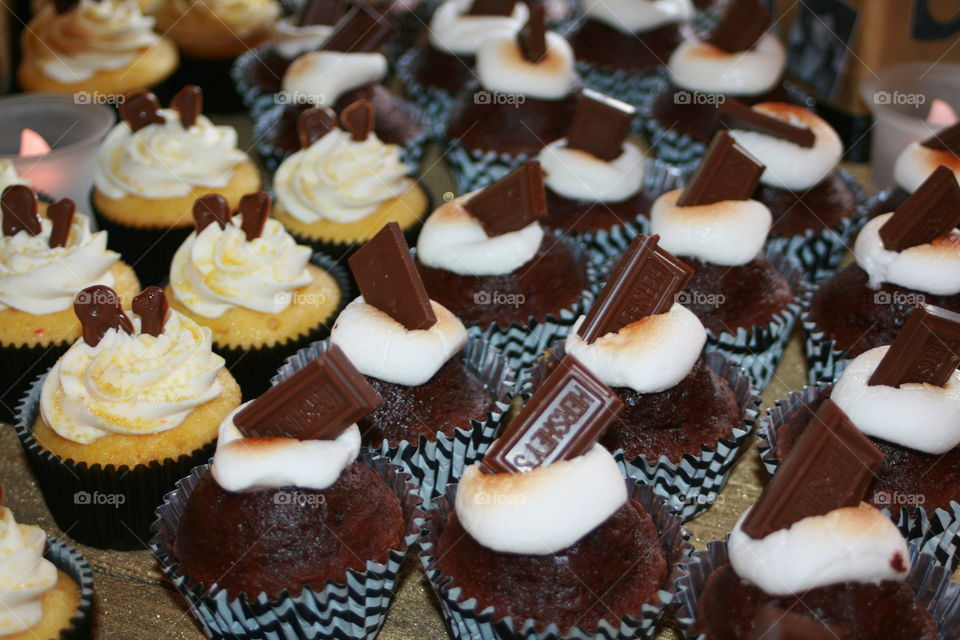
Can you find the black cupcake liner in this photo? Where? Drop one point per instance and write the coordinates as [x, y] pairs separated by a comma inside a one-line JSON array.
[[825, 361], [67, 559], [474, 168], [254, 99], [253, 367], [691, 486], [355, 608], [107, 507], [434, 103], [212, 75], [929, 581], [636, 88], [936, 531], [435, 463], [21, 366], [466, 621]]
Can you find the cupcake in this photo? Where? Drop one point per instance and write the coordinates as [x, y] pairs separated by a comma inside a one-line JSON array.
[[93, 46], [129, 408], [436, 71], [542, 538], [47, 586], [622, 46], [815, 205], [884, 391], [153, 166], [738, 58], [44, 262], [746, 302], [232, 536], [686, 413], [903, 259], [812, 548], [485, 258], [344, 185], [525, 95], [261, 295]]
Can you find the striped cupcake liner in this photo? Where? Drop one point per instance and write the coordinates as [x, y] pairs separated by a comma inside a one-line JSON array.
[[825, 361], [433, 102], [354, 609], [67, 559], [435, 463], [466, 621], [256, 101], [473, 169], [631, 86]]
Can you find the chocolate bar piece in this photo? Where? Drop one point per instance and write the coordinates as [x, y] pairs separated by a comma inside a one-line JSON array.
[[98, 309], [139, 109], [210, 208], [189, 104], [533, 36], [491, 8], [947, 139], [736, 115], [512, 202], [927, 349], [741, 25], [562, 420], [318, 402], [775, 623], [152, 307], [19, 206], [362, 30], [928, 213], [357, 118], [830, 467], [727, 172], [645, 282], [61, 215], [255, 209], [388, 279], [314, 123], [316, 12], [600, 125]]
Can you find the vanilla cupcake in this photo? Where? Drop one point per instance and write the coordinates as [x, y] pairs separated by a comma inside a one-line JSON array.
[[97, 46]]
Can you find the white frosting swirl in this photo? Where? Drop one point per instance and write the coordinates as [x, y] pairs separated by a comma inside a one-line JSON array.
[[218, 269], [579, 175], [96, 35], [453, 30], [650, 355], [340, 179], [291, 39], [890, 413], [502, 68], [248, 464], [9, 176], [25, 575], [544, 510], [699, 66], [788, 165], [634, 16], [728, 233], [916, 162], [453, 240], [37, 279], [853, 544], [381, 347], [933, 267], [321, 77], [131, 383], [166, 160]]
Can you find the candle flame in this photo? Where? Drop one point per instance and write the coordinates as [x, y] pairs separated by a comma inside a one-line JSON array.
[[32, 144], [941, 113]]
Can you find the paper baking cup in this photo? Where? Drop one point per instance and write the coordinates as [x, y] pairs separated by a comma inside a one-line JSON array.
[[253, 366], [937, 532], [759, 349], [253, 97], [21, 366], [825, 361], [929, 581], [473, 168], [467, 622], [819, 251], [67, 559], [353, 609], [434, 463], [434, 103], [692, 485], [107, 507], [634, 87]]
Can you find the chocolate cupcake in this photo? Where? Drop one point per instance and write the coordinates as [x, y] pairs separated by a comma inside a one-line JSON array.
[[816, 207], [903, 259], [746, 302], [435, 72], [525, 96], [543, 539], [737, 58], [486, 258], [287, 463]]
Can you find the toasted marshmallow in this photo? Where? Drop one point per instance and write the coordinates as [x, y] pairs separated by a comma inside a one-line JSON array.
[[916, 162], [933, 267], [502, 68], [634, 16], [380, 347], [453, 240], [293, 39], [579, 175], [454, 30], [649, 355], [728, 233], [543, 510], [699, 66], [321, 77], [788, 165], [854, 544]]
